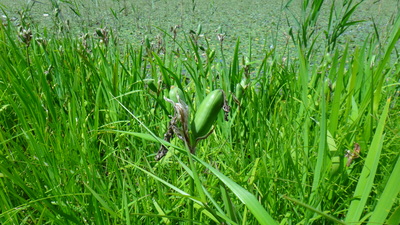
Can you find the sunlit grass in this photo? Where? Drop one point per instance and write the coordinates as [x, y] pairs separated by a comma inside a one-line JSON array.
[[82, 119]]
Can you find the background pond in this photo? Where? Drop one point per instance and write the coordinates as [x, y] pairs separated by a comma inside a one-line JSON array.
[[265, 23]]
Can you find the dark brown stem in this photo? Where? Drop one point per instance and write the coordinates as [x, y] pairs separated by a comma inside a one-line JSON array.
[[167, 137]]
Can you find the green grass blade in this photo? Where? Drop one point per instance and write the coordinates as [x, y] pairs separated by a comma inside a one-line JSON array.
[[220, 212], [319, 166], [165, 182], [331, 218], [161, 212], [228, 204], [395, 217], [245, 197], [303, 112], [234, 76], [388, 197], [101, 200], [367, 176], [379, 74], [337, 98]]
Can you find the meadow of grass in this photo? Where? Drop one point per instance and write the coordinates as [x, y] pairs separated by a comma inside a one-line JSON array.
[[82, 118]]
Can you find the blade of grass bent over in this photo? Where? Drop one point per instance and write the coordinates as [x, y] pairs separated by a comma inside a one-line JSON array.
[[244, 196], [367, 176]]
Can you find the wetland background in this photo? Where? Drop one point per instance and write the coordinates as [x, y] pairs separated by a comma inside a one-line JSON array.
[[263, 23]]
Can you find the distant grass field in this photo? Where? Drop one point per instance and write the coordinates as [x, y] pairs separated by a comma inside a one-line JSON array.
[[311, 136], [264, 23]]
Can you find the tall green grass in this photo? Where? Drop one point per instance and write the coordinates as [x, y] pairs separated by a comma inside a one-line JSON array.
[[83, 117]]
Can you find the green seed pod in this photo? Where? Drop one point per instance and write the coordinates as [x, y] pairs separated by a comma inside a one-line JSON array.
[[207, 113], [211, 54], [328, 58], [174, 93], [199, 29], [239, 91]]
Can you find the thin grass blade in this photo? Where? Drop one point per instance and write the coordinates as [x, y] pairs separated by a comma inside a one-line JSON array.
[[388, 197], [367, 176], [246, 197]]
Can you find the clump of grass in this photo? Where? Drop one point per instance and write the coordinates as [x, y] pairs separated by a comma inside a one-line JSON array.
[[83, 118]]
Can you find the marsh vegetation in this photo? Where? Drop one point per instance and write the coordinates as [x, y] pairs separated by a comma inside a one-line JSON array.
[[311, 136]]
